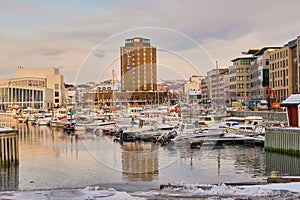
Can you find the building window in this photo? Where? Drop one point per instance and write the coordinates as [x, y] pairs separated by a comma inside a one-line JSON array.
[[240, 78], [56, 94], [56, 100], [56, 86]]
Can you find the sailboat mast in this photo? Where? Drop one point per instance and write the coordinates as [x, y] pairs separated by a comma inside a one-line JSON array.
[[113, 87], [217, 67]]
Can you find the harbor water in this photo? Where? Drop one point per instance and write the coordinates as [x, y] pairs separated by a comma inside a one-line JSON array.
[[53, 159]]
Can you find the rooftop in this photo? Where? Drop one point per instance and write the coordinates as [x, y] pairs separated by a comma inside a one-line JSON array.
[[293, 100], [262, 50]]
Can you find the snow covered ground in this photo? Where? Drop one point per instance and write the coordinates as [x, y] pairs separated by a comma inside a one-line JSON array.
[[174, 191]]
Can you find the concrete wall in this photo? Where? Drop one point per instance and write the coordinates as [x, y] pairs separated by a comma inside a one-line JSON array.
[[266, 115]]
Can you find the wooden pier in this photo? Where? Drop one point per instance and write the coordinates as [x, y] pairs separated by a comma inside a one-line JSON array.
[[283, 140], [9, 147]]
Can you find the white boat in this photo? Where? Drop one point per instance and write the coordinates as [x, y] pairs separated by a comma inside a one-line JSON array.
[[43, 121], [206, 120], [230, 122], [132, 133], [241, 129], [246, 128], [59, 122], [4, 129], [185, 132], [79, 128], [134, 111]]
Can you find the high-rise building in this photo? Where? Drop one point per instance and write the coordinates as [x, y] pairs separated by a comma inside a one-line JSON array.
[[138, 65], [260, 72], [284, 70]]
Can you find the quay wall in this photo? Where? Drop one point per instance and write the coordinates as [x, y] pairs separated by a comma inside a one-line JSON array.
[[266, 115], [9, 142], [283, 140], [9, 148]]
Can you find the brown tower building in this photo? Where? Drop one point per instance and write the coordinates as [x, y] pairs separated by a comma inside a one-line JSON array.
[[138, 65]]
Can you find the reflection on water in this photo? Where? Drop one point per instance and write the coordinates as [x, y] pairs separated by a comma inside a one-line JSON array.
[[252, 160], [284, 164], [140, 161], [9, 178], [51, 158]]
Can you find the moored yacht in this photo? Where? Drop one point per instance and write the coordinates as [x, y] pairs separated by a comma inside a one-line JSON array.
[[246, 128]]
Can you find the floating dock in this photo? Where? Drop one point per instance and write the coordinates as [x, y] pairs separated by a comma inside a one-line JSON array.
[[198, 142]]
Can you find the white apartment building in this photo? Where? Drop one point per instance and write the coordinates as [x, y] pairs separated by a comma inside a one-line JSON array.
[[218, 83]]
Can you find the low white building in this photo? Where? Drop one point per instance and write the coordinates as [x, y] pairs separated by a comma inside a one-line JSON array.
[[33, 87]]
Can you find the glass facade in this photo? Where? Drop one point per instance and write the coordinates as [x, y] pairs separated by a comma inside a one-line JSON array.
[[24, 93]]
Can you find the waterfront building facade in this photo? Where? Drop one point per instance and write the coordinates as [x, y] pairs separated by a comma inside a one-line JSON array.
[[138, 65], [205, 99], [54, 81], [284, 70], [33, 87], [240, 79], [25, 92], [260, 73], [192, 90], [219, 78], [298, 61]]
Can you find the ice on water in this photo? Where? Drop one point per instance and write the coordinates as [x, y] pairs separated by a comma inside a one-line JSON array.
[[182, 191]]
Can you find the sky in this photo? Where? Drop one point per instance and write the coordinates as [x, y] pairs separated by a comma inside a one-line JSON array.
[[83, 38]]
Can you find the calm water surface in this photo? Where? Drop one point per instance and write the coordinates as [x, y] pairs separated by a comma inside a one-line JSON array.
[[51, 158]]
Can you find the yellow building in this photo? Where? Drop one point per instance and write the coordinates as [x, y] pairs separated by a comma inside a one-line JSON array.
[[192, 90]]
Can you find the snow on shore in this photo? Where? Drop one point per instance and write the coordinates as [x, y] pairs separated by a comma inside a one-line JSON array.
[[178, 191]]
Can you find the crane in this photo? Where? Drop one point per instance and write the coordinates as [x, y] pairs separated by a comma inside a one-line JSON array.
[[272, 99]]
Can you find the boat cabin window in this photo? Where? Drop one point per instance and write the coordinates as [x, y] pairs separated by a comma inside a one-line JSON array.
[[190, 126]]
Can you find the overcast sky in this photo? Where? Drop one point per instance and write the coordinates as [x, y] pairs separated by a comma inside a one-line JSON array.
[[83, 38]]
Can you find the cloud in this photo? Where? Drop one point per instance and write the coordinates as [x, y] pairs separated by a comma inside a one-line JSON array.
[[21, 8], [223, 28], [99, 54], [52, 50]]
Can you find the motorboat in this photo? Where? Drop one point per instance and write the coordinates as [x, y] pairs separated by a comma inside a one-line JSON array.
[[246, 128], [206, 120], [186, 131]]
